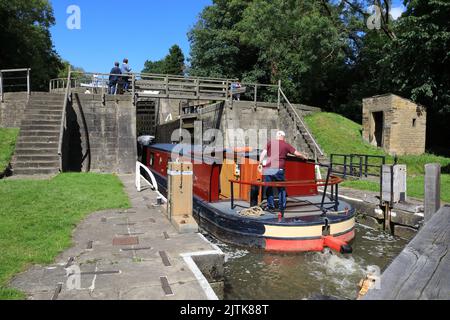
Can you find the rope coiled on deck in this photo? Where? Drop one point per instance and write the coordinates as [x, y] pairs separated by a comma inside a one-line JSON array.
[[252, 212]]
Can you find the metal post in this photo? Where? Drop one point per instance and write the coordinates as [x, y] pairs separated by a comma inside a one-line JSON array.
[[197, 88], [166, 80], [381, 185], [28, 83], [279, 95], [331, 162], [1, 86], [325, 189], [345, 166], [360, 167], [227, 91], [337, 197], [351, 165], [367, 166], [232, 195], [256, 96], [133, 80]]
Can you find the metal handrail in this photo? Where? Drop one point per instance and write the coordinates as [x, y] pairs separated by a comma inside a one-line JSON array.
[[28, 85], [294, 183], [63, 120], [331, 180], [363, 164], [316, 145], [153, 184]]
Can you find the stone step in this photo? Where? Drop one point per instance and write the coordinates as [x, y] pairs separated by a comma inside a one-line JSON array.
[[35, 171], [39, 138], [47, 96], [39, 133], [45, 112], [55, 103], [29, 151], [32, 122], [43, 116], [36, 158], [35, 165], [37, 145], [35, 127], [51, 107]]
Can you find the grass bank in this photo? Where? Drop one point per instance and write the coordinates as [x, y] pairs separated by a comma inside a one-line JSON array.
[[37, 218], [8, 139], [337, 134]]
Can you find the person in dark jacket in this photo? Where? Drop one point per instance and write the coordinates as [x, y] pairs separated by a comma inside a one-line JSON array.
[[114, 78]]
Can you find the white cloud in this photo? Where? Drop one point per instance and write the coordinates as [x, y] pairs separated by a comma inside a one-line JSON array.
[[396, 12]]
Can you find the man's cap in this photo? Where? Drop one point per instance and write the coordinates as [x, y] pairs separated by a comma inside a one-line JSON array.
[[281, 134]]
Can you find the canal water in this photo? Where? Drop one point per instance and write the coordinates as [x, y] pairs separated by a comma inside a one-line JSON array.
[[314, 275]]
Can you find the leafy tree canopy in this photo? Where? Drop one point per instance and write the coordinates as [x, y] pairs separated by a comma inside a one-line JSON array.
[[173, 63], [325, 53], [25, 39]]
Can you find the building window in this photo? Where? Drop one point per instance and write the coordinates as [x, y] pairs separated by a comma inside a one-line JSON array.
[[414, 123]]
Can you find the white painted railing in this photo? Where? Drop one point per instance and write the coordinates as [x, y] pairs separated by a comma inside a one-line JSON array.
[[153, 184]]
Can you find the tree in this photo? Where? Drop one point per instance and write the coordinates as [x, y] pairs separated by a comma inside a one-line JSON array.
[[216, 46], [419, 61], [326, 55], [173, 63], [25, 39], [64, 71]]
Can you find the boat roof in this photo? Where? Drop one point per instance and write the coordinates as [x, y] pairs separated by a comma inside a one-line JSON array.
[[167, 147]]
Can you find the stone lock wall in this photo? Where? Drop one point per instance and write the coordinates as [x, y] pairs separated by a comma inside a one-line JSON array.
[[101, 138], [259, 121]]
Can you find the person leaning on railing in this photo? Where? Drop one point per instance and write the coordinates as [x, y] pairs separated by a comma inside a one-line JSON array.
[[274, 168], [125, 70], [114, 78]]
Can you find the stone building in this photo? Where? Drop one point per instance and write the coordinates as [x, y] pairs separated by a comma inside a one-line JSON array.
[[395, 124]]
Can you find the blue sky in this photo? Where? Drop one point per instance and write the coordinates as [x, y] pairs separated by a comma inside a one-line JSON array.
[[143, 30], [137, 29]]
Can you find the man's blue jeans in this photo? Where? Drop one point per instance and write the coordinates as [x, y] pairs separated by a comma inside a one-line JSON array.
[[112, 87], [276, 176]]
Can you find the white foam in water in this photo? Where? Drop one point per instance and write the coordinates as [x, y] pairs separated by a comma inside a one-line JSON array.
[[335, 264], [236, 254], [339, 270], [381, 237]]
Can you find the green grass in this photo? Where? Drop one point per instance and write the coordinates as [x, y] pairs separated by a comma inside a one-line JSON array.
[[8, 139], [415, 186], [339, 135], [37, 218]]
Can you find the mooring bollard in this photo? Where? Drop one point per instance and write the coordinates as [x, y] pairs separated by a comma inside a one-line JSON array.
[[432, 190]]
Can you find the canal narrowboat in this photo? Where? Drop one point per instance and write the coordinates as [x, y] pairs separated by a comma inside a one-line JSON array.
[[228, 202]]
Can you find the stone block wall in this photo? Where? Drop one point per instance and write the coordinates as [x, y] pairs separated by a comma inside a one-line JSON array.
[[404, 124], [12, 109], [242, 121], [101, 138], [409, 126]]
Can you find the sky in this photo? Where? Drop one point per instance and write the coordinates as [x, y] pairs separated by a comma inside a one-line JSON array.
[[140, 30], [112, 30]]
